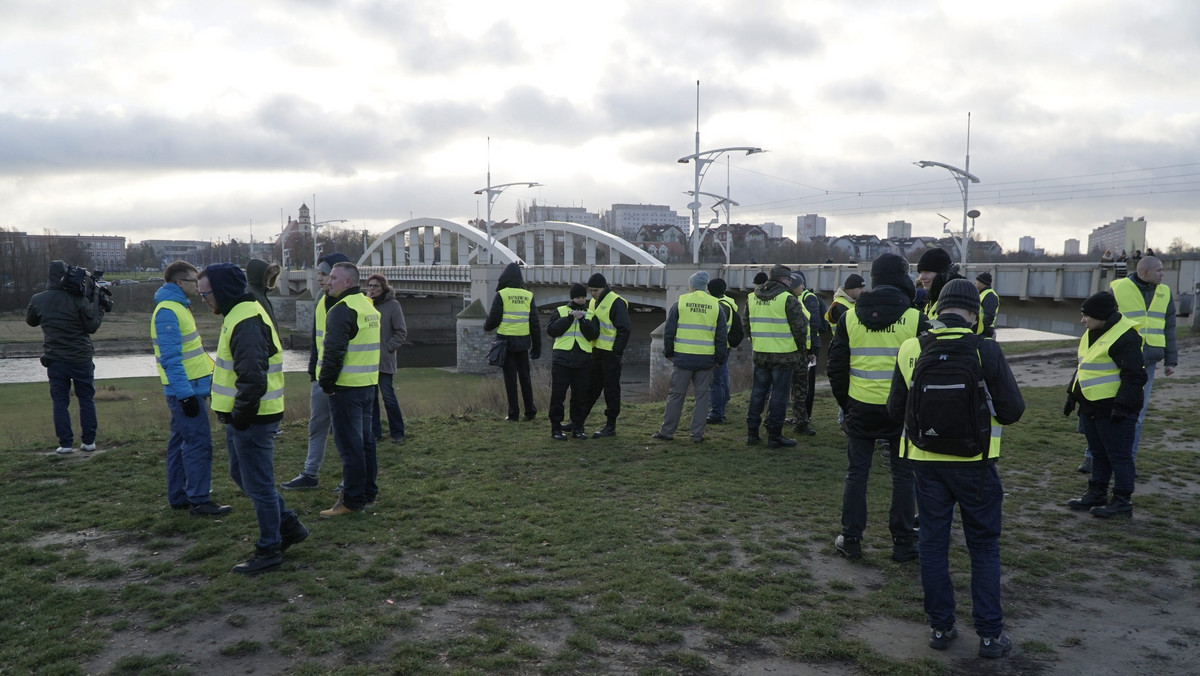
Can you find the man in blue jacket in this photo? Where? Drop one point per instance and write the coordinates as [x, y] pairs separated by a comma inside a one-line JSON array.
[[185, 370]]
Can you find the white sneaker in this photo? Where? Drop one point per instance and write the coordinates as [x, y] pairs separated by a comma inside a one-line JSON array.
[[88, 447], [63, 450]]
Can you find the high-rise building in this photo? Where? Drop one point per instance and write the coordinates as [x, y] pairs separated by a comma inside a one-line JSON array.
[[1125, 234], [541, 212], [899, 229], [809, 226], [1071, 247], [625, 219], [1026, 245]]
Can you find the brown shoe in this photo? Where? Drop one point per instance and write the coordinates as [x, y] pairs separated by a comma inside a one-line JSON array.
[[339, 509]]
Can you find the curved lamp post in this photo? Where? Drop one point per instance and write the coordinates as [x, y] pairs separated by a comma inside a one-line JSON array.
[[493, 191], [965, 178]]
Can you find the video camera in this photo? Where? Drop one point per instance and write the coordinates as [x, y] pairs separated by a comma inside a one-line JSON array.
[[82, 282]]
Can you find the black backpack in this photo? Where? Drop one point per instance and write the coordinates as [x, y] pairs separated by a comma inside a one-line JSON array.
[[949, 408]]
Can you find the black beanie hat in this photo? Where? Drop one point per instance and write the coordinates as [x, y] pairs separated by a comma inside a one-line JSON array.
[[760, 279], [892, 270], [578, 290], [854, 282], [716, 287], [984, 278], [781, 272], [1099, 305], [961, 294], [934, 260], [597, 281]]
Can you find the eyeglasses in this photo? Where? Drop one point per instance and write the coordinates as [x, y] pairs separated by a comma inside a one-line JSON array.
[[374, 286], [205, 294]]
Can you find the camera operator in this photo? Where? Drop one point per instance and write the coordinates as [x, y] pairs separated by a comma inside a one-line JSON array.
[[69, 315]]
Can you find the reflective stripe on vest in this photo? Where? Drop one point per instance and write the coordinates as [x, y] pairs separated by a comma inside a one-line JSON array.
[[196, 362], [603, 312], [769, 328], [697, 328], [518, 303], [319, 315], [1151, 321], [979, 319], [807, 316], [573, 336], [360, 366], [907, 361], [224, 383], [1098, 375], [829, 312], [730, 309], [873, 355]]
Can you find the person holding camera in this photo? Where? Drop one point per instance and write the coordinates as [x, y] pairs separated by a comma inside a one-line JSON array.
[[69, 311], [573, 329]]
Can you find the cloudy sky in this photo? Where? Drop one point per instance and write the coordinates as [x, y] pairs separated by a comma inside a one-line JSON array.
[[160, 119]]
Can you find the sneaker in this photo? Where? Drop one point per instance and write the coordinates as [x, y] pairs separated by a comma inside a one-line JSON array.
[[994, 646], [398, 440], [661, 437], [780, 441], [300, 483], [606, 431], [558, 435], [262, 561], [698, 439], [88, 448], [849, 547], [714, 420], [63, 450], [578, 434], [939, 639], [209, 508]]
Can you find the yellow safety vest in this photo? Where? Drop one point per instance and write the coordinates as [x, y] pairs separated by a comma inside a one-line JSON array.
[[603, 312], [731, 308], [979, 319], [518, 303], [224, 385], [1098, 376], [807, 316], [838, 300], [360, 367], [873, 355], [697, 328], [907, 361], [769, 328], [319, 333], [196, 362], [1151, 321], [573, 336]]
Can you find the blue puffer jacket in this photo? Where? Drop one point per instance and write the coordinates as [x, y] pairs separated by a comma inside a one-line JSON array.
[[170, 348]]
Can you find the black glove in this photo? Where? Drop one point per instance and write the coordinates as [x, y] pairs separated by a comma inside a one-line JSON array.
[[191, 406], [1069, 407], [535, 354], [242, 421], [224, 418]]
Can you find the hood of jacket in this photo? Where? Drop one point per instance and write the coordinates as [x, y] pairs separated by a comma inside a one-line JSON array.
[[171, 291], [841, 293], [385, 297], [770, 289], [510, 278], [262, 275], [881, 306], [228, 284], [55, 273]]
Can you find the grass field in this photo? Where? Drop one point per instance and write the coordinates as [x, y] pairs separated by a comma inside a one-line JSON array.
[[494, 549]]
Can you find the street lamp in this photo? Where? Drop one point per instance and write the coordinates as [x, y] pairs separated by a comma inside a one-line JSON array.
[[493, 191], [316, 241], [965, 178]]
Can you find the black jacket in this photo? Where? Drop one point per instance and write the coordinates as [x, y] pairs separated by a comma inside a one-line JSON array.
[[68, 321], [1126, 353], [341, 326], [590, 328], [250, 345], [878, 308], [511, 278], [1006, 396]]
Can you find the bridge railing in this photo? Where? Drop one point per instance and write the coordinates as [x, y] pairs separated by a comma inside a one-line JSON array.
[[646, 276]]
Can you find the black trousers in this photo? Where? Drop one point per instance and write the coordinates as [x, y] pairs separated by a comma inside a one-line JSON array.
[[516, 368], [563, 378], [605, 377]]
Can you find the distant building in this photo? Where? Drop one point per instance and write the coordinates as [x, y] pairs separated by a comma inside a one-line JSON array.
[[896, 229], [1026, 245], [859, 247], [104, 252], [1071, 247], [773, 230], [660, 233], [540, 212], [809, 226], [1125, 233], [625, 219], [168, 250]]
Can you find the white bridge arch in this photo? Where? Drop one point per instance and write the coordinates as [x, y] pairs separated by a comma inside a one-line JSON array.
[[432, 241]]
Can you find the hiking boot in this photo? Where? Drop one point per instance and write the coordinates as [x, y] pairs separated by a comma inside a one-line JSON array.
[[1085, 467], [849, 547], [780, 441], [558, 435], [609, 430], [661, 437], [339, 508], [63, 450], [262, 561], [904, 549], [939, 639], [804, 431], [1120, 506], [301, 482], [714, 420], [753, 439], [994, 646], [88, 448], [209, 508], [1096, 495], [293, 533], [578, 434]]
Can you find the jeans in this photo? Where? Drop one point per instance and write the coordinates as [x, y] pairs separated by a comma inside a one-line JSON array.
[[979, 496], [1151, 368], [775, 384], [563, 378], [1112, 456], [61, 375], [351, 412], [318, 429], [516, 369], [859, 453], [251, 466], [701, 382], [189, 455], [605, 377], [391, 405], [719, 392]]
